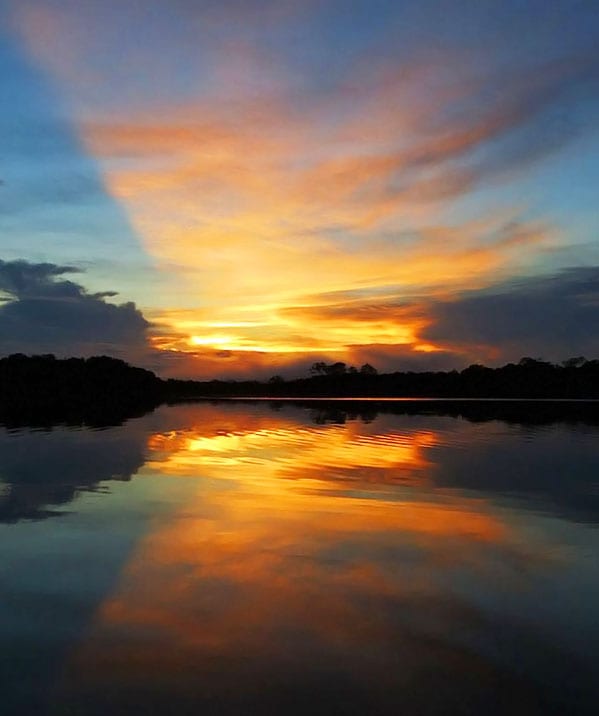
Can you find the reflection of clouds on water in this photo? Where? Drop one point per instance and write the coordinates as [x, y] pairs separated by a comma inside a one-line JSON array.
[[552, 470], [262, 563], [261, 589], [522, 460], [44, 469]]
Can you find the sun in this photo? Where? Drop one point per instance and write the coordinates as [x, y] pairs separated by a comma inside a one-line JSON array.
[[214, 340]]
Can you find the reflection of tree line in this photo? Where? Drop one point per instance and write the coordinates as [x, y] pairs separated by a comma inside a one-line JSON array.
[[520, 412]]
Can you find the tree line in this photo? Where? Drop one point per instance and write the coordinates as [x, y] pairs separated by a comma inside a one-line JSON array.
[[104, 390], [100, 390], [529, 378]]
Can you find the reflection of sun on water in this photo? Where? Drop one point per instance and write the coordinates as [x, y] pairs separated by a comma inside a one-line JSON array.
[[294, 452], [296, 473]]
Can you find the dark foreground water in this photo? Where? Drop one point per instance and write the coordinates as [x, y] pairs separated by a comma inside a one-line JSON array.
[[280, 559]]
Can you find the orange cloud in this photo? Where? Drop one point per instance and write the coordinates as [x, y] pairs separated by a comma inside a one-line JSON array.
[[257, 193]]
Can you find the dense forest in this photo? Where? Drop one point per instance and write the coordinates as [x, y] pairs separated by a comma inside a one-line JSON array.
[[38, 390], [102, 390]]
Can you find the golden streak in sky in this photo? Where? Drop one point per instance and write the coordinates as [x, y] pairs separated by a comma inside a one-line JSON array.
[[255, 205]]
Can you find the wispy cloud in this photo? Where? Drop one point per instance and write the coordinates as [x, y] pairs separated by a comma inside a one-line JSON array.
[[267, 187]]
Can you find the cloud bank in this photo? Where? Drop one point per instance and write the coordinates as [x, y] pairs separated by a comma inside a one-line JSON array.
[[549, 316], [44, 312], [321, 182]]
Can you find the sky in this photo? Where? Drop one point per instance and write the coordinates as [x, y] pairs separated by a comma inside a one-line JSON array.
[[230, 188]]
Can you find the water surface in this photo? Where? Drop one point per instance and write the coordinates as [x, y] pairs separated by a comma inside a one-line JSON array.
[[306, 559]]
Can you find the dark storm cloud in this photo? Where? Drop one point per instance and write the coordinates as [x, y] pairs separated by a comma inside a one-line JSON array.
[[44, 312], [20, 279], [552, 316]]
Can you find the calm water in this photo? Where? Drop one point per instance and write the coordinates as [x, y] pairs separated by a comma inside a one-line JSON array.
[[258, 559]]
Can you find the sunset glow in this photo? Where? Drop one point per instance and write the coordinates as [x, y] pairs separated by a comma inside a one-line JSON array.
[[272, 191]]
